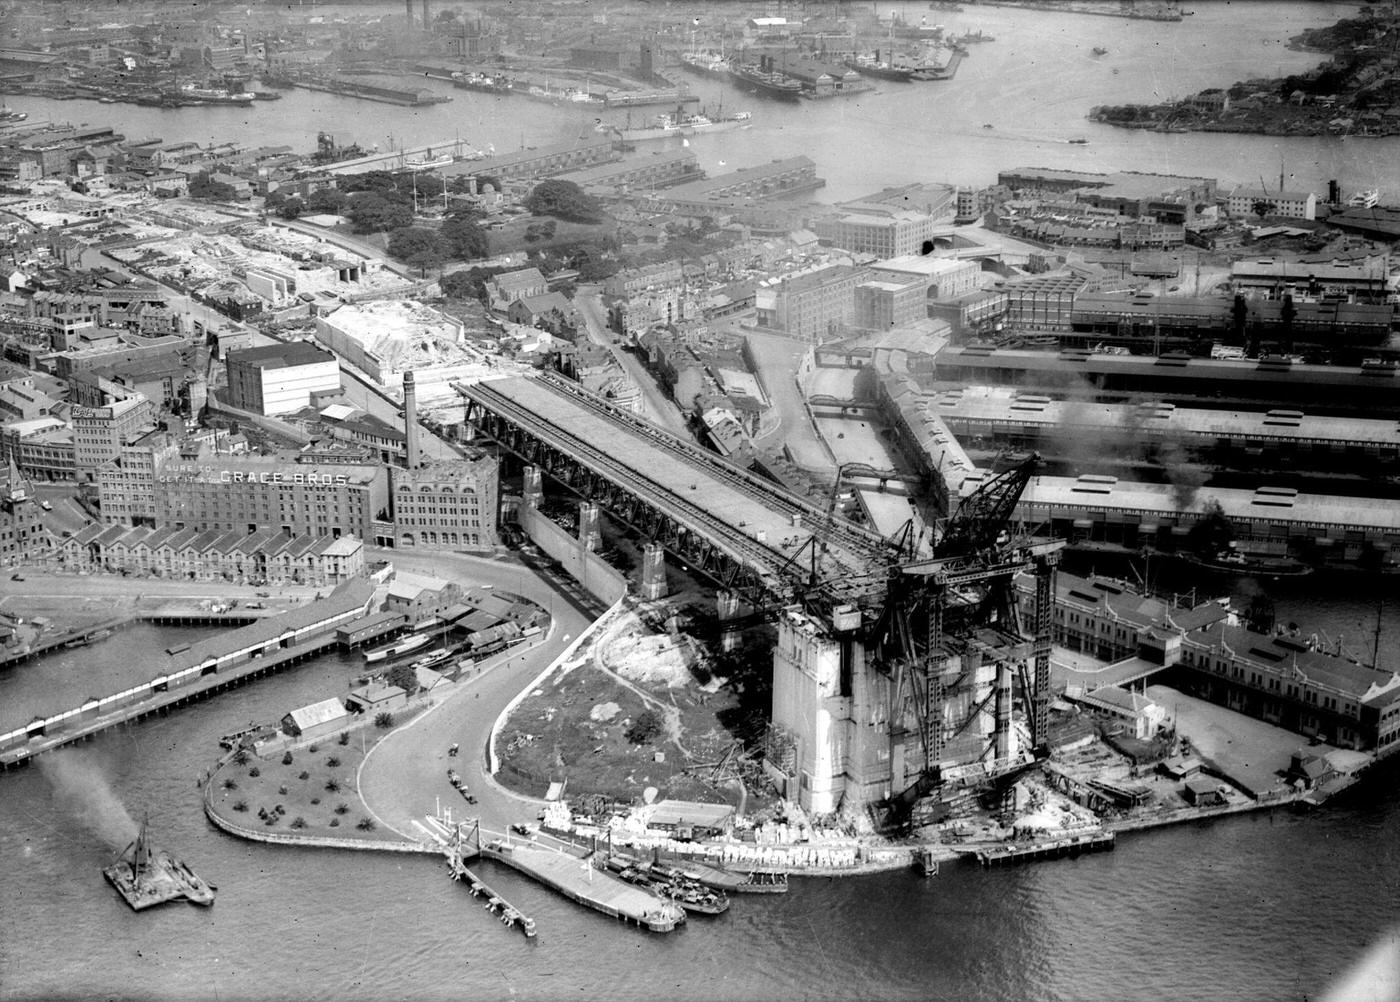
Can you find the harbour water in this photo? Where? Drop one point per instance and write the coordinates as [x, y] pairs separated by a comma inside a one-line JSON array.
[[1034, 85], [1254, 907], [1263, 906]]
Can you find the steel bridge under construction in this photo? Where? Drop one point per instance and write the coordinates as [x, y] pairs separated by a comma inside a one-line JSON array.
[[895, 659]]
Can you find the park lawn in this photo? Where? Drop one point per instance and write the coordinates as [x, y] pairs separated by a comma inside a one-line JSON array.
[[511, 237], [283, 793]]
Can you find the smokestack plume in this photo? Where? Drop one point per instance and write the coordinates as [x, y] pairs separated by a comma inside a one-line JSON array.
[[80, 788], [410, 420]]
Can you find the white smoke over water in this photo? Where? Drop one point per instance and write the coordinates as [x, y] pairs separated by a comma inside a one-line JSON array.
[[80, 788]]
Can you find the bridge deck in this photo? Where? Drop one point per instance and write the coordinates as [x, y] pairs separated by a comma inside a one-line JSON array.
[[754, 520]]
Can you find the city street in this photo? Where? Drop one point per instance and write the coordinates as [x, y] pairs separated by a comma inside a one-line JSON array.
[[777, 359], [656, 406], [405, 776]]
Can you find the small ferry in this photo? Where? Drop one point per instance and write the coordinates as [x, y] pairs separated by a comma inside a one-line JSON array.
[[398, 647]]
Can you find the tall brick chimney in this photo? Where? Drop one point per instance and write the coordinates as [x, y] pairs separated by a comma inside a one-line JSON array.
[[410, 420]]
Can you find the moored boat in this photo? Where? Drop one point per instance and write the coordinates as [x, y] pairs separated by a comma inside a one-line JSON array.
[[668, 882], [705, 63], [868, 67], [402, 646], [763, 79], [428, 163], [1234, 562], [432, 658], [679, 123]]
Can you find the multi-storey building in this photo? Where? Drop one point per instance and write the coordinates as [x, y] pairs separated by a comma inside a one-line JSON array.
[[252, 492], [1289, 204], [1284, 679], [281, 378], [448, 505], [22, 535], [882, 305], [127, 485], [1045, 302], [881, 230], [43, 448], [100, 432], [942, 277], [812, 305]]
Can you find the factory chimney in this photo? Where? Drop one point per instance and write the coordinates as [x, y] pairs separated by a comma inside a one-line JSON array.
[[426, 20], [408, 13], [410, 420]]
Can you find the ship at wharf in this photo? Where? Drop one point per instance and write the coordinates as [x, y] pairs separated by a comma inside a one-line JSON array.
[[579, 880]]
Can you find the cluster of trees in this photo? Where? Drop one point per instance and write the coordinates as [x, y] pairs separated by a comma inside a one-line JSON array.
[[459, 238], [382, 202], [563, 200], [328, 200]]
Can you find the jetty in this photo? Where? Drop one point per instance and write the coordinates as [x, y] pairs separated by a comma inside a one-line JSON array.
[[448, 834], [194, 671], [495, 903], [1021, 852], [579, 880]]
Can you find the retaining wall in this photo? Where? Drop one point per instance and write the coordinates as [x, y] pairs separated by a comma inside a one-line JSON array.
[[587, 568]]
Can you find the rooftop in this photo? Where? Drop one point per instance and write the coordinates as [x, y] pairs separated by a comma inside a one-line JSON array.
[[281, 356]]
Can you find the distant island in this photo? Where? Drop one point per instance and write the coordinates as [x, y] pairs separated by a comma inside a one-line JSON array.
[[1355, 92]]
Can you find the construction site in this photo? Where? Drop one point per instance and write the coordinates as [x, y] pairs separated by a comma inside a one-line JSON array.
[[894, 692]]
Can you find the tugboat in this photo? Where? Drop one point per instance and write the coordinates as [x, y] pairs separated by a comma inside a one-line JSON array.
[[145, 876]]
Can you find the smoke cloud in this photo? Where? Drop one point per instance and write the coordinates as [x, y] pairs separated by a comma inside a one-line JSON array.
[[80, 788]]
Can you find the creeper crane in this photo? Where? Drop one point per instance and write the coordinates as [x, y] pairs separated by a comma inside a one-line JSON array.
[[946, 614]]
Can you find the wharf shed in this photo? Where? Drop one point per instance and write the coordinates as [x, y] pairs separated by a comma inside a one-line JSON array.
[[690, 819], [1368, 390], [1201, 792], [1268, 520], [1122, 315], [365, 630], [233, 652], [316, 720]]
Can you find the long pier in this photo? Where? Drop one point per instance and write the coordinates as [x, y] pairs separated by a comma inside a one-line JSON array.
[[194, 671], [579, 880], [1019, 852], [72, 638]]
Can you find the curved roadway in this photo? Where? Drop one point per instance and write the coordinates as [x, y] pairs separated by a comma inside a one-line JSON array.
[[404, 777]]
